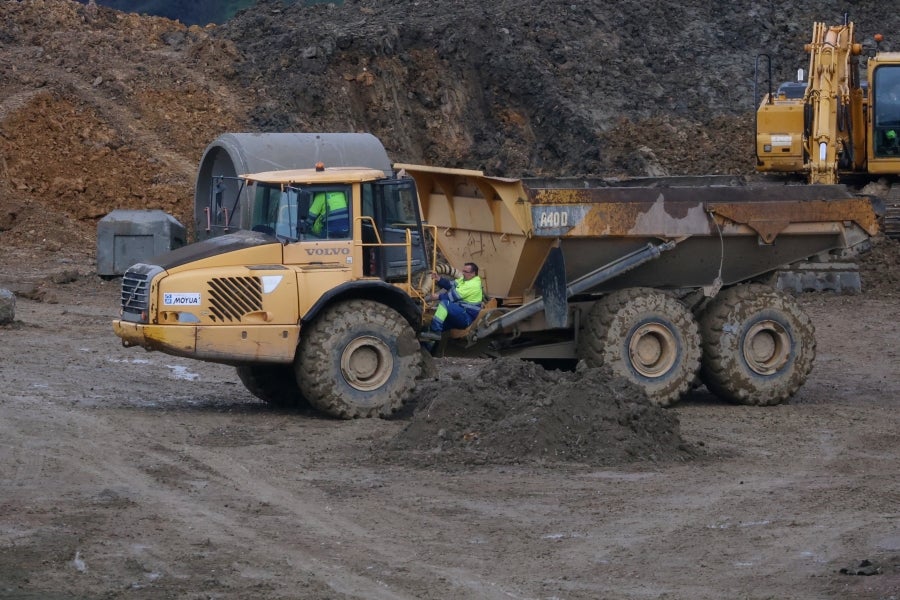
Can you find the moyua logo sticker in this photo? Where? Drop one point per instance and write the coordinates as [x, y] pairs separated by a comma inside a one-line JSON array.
[[181, 299]]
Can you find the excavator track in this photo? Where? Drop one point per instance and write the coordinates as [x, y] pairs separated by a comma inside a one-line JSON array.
[[892, 212]]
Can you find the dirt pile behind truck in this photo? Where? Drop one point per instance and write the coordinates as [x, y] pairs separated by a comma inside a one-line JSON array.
[[104, 110], [508, 411]]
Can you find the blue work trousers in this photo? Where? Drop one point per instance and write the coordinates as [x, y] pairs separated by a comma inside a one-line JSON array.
[[456, 317]]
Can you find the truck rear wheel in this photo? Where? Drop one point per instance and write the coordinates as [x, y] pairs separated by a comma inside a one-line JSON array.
[[758, 345], [273, 384], [358, 359], [647, 337]]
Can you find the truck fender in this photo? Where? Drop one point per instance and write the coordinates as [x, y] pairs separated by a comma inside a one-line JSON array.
[[370, 289]]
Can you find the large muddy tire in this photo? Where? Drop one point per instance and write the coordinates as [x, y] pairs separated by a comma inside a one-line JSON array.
[[273, 384], [358, 359], [646, 336], [758, 345]]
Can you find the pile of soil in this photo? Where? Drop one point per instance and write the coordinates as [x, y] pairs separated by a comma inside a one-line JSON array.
[[103, 110], [879, 269], [515, 412]]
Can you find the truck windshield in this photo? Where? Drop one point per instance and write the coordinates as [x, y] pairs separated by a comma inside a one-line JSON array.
[[275, 211], [310, 213]]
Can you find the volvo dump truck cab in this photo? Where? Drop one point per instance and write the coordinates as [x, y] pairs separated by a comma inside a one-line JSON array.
[[658, 279], [248, 298]]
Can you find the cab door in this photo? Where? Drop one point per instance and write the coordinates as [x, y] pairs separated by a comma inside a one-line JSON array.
[[393, 206]]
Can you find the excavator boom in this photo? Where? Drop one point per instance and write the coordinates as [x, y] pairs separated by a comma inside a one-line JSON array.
[[833, 99]]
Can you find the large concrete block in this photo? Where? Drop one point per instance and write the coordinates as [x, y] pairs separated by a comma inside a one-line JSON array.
[[841, 278], [7, 306], [126, 237]]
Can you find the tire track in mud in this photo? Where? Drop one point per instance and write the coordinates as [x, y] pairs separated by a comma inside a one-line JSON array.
[[164, 479], [180, 478]]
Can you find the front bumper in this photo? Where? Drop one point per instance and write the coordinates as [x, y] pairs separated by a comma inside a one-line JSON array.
[[216, 343]]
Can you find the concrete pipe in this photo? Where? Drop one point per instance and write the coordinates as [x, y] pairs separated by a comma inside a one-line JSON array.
[[233, 154]]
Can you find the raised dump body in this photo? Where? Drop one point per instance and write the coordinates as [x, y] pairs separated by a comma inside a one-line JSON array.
[[652, 277], [725, 230]]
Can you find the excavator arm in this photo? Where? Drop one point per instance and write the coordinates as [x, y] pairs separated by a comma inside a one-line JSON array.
[[833, 104]]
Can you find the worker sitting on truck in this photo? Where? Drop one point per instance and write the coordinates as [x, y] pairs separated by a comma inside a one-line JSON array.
[[328, 214], [460, 301]]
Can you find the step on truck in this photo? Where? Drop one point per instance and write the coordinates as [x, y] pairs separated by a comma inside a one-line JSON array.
[[661, 279]]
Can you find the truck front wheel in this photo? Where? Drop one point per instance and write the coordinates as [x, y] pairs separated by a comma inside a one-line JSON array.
[[273, 384], [758, 345], [647, 337], [358, 359]]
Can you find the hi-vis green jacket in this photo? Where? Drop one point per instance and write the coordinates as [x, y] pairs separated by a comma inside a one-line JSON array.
[[468, 294]]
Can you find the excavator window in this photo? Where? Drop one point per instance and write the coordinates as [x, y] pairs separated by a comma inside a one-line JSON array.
[[791, 90], [886, 107]]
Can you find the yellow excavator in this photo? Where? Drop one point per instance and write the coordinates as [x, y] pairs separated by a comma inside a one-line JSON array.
[[843, 128]]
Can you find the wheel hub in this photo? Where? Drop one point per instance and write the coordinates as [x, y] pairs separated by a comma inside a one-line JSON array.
[[367, 363], [767, 347], [653, 350]]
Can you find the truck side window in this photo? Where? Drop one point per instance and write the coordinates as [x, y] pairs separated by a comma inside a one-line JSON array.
[[265, 211], [329, 214]]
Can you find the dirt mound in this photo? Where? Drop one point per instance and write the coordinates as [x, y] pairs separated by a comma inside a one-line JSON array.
[[880, 268], [102, 110], [515, 412]]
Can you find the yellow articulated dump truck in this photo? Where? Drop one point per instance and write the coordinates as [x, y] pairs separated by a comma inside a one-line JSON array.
[[321, 298]]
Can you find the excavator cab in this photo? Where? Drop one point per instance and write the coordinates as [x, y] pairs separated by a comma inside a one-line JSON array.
[[842, 124], [791, 90]]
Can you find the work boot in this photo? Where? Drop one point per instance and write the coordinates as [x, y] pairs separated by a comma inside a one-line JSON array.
[[432, 336]]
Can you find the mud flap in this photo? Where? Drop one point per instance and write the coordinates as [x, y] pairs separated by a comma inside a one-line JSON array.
[[552, 283]]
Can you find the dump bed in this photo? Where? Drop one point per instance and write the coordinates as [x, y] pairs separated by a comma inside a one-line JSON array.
[[725, 228]]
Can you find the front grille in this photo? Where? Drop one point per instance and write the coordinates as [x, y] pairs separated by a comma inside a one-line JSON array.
[[135, 292], [230, 298]]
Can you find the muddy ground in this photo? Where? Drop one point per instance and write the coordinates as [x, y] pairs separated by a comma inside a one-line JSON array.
[[128, 474]]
